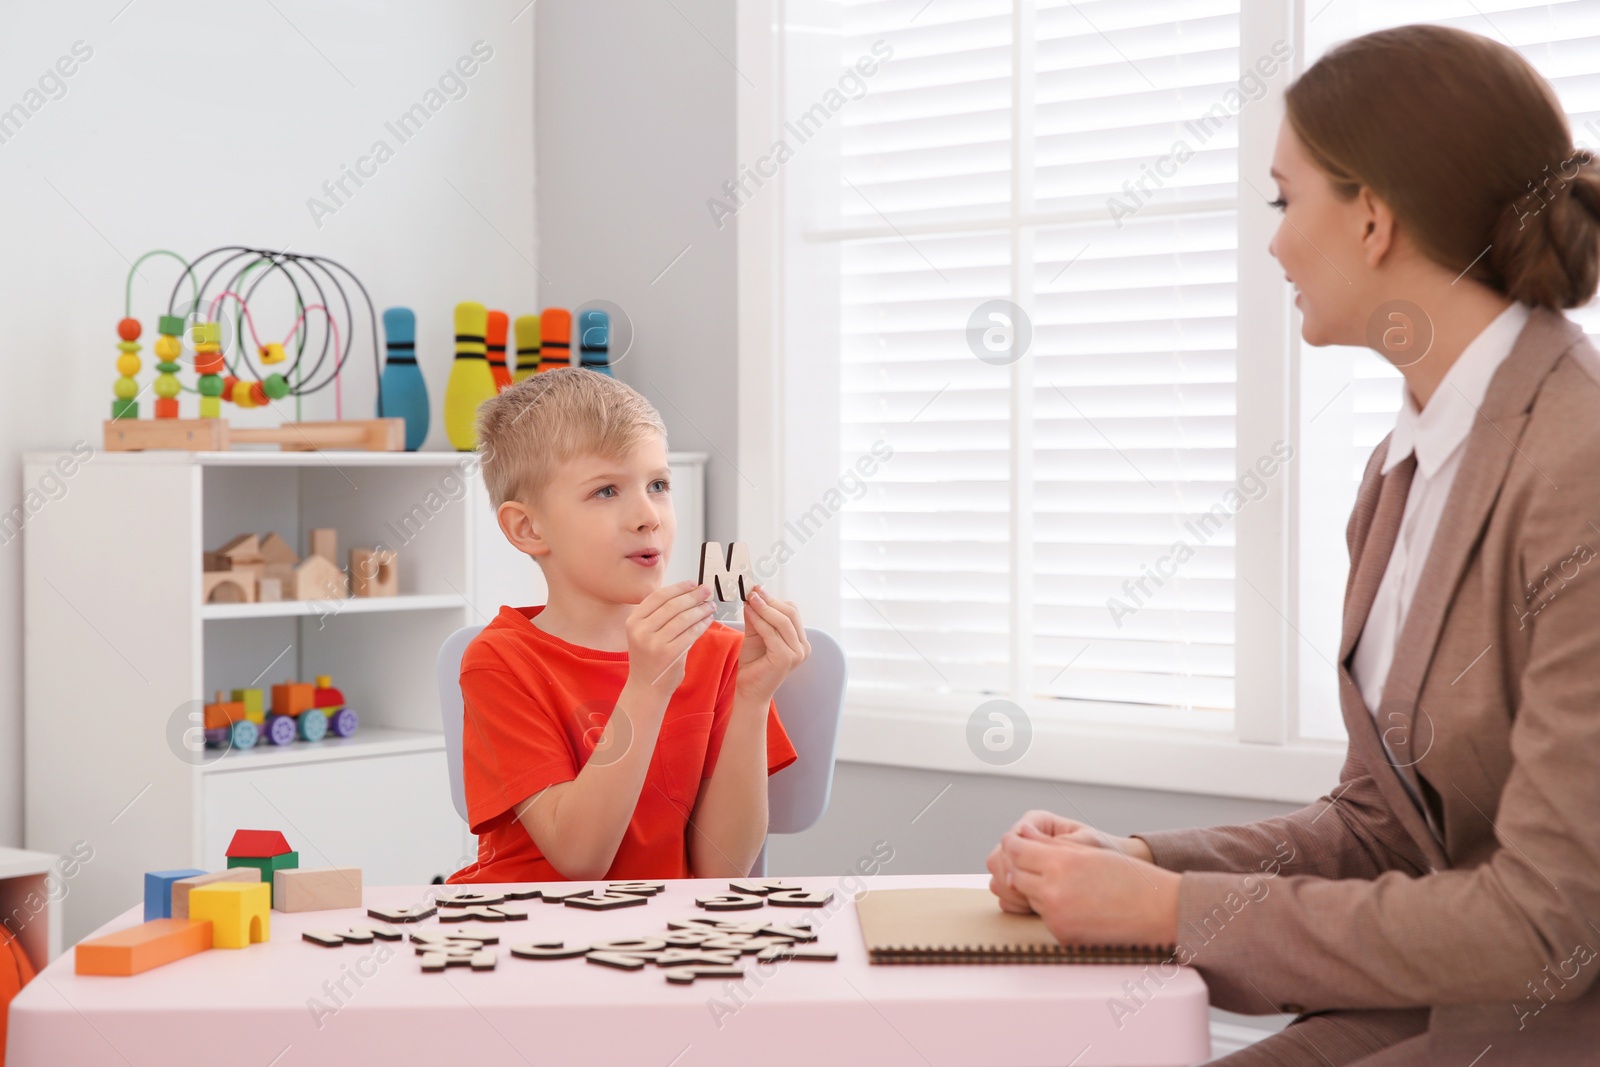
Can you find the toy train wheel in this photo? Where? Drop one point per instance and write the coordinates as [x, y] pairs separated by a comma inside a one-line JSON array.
[[344, 722], [313, 724], [244, 734], [280, 729], [217, 736]]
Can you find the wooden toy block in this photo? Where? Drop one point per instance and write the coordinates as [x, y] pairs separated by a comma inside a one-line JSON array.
[[141, 948], [227, 587], [548, 950], [222, 713], [402, 915], [730, 575], [243, 551], [291, 698], [799, 898], [606, 901], [760, 887], [796, 952], [374, 572], [269, 866], [240, 912], [468, 899], [184, 886], [643, 889], [275, 551], [729, 902], [158, 891], [316, 888], [317, 578], [258, 843], [498, 914], [325, 543], [687, 975], [269, 590], [254, 708]]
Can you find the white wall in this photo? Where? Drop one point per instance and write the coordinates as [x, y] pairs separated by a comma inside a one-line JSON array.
[[193, 125], [636, 112]]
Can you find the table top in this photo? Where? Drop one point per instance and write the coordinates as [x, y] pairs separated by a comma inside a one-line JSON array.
[[307, 1004]]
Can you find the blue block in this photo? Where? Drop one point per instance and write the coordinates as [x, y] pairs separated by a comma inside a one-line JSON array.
[[158, 892]]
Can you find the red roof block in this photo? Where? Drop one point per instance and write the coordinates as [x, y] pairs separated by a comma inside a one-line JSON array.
[[257, 844]]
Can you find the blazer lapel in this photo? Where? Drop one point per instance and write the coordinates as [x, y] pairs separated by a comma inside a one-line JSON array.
[[1491, 448]]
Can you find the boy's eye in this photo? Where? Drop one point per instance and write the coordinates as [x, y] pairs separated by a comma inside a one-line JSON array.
[[606, 489], [662, 482], [1279, 203]]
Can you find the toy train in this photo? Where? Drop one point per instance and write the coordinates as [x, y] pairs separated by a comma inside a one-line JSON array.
[[299, 710]]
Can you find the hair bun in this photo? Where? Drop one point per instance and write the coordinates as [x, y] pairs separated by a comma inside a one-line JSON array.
[[1545, 246]]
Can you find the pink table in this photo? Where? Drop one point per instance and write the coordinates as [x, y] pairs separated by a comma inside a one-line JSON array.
[[260, 1005]]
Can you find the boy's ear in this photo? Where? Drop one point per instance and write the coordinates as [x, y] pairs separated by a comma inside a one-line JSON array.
[[521, 528]]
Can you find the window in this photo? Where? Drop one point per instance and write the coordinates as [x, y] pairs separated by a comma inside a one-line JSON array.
[[1023, 249]]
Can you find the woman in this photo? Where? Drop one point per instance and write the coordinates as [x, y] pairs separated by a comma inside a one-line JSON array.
[[1442, 904]]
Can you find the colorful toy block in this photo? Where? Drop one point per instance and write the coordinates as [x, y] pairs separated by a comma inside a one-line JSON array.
[[254, 709], [291, 698], [140, 948], [158, 891], [316, 888], [240, 912], [183, 887], [266, 850]]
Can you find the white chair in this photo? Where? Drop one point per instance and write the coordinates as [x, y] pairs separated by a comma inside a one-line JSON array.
[[810, 703]]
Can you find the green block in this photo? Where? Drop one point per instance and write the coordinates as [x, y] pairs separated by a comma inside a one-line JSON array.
[[267, 865], [124, 409], [171, 325]]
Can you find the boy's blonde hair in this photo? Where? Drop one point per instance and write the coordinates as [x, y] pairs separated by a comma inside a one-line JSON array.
[[552, 418]]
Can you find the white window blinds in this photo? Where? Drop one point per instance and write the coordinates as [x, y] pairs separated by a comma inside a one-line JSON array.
[[1061, 525]]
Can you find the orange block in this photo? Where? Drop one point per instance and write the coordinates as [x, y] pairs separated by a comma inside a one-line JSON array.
[[223, 713], [140, 948], [291, 698]]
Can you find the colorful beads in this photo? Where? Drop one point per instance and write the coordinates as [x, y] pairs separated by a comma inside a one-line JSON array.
[[210, 407], [272, 352], [167, 408], [275, 386], [168, 347], [206, 333], [210, 385], [125, 389], [129, 329], [124, 409], [258, 395], [128, 365], [167, 386], [241, 394], [208, 363], [170, 325]]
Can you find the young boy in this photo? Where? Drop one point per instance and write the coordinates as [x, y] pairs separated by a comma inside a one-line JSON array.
[[617, 732]]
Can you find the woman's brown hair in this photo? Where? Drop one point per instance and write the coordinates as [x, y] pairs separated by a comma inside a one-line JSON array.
[[1468, 146]]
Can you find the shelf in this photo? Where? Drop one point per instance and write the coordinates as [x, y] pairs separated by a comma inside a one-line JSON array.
[[325, 458], [368, 741], [347, 606]]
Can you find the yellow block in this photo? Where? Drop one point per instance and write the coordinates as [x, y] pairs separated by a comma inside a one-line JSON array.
[[240, 912]]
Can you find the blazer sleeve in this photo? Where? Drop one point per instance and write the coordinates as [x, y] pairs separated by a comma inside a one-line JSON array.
[[1464, 935], [1350, 833]]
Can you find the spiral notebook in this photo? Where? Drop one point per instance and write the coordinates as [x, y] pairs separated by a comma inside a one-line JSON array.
[[939, 925]]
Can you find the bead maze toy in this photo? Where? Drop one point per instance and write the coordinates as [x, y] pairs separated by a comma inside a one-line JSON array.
[[237, 379]]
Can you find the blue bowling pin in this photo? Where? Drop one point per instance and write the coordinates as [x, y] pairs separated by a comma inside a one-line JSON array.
[[404, 393], [594, 340]]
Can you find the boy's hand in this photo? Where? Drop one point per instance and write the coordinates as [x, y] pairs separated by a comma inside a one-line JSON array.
[[774, 644], [662, 629]]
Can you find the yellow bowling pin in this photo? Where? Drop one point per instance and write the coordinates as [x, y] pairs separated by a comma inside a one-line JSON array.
[[527, 328], [471, 382]]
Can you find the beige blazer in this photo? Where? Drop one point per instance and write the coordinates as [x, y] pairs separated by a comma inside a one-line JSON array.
[[1492, 713]]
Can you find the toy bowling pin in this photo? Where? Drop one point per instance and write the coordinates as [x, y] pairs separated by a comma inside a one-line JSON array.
[[403, 394], [470, 381], [495, 348], [594, 340], [555, 338], [527, 328]]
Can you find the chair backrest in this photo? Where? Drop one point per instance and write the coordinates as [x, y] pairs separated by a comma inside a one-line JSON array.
[[810, 704]]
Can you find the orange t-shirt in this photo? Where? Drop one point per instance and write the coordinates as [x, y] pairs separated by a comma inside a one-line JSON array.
[[535, 706]]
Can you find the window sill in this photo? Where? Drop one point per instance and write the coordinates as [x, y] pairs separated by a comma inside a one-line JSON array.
[[1174, 760]]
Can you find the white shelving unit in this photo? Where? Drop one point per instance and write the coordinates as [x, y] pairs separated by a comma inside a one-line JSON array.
[[120, 654], [32, 892]]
